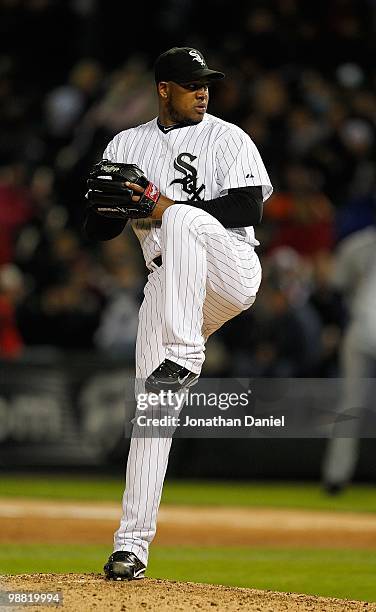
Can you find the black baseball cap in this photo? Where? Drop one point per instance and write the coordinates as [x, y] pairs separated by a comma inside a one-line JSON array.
[[183, 65]]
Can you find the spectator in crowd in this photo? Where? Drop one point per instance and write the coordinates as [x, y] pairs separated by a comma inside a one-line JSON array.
[[11, 292], [282, 337], [302, 214], [15, 207], [61, 309], [121, 281], [65, 105]]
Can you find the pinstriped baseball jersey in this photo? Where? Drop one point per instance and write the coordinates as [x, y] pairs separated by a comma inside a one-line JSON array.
[[187, 163]]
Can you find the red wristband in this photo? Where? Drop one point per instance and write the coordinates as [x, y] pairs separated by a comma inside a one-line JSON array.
[[152, 192]]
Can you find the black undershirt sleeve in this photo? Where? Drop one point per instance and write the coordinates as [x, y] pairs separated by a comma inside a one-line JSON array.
[[241, 207]]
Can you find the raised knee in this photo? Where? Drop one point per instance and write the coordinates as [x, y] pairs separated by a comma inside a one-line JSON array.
[[181, 211], [179, 215]]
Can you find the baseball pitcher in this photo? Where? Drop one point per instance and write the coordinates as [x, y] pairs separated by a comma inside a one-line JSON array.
[[192, 186]]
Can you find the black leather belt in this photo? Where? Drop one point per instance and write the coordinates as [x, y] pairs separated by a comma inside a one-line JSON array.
[[158, 261]]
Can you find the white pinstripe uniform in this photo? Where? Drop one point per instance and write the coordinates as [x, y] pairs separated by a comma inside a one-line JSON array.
[[209, 275]]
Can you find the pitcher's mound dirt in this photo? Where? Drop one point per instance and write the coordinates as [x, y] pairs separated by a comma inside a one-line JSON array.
[[84, 592]]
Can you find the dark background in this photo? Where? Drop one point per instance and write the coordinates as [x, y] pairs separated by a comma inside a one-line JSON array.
[[300, 80]]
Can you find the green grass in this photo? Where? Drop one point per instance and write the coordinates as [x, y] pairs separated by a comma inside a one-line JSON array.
[[272, 495], [357, 498], [348, 574]]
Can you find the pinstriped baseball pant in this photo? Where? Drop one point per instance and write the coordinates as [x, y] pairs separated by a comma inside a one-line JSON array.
[[207, 277]]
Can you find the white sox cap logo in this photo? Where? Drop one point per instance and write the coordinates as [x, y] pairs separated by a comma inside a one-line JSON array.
[[197, 57]]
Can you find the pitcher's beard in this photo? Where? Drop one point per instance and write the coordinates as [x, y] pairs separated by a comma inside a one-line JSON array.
[[177, 117]]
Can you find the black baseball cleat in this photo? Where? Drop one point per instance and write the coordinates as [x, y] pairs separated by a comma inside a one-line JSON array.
[[124, 565], [170, 376]]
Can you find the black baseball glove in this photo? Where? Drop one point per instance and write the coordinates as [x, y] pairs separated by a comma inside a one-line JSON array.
[[109, 197]]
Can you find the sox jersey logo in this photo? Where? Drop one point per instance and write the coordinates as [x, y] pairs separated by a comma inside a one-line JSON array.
[[189, 179]]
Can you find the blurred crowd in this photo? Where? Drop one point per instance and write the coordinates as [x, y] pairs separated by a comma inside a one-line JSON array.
[[300, 80]]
